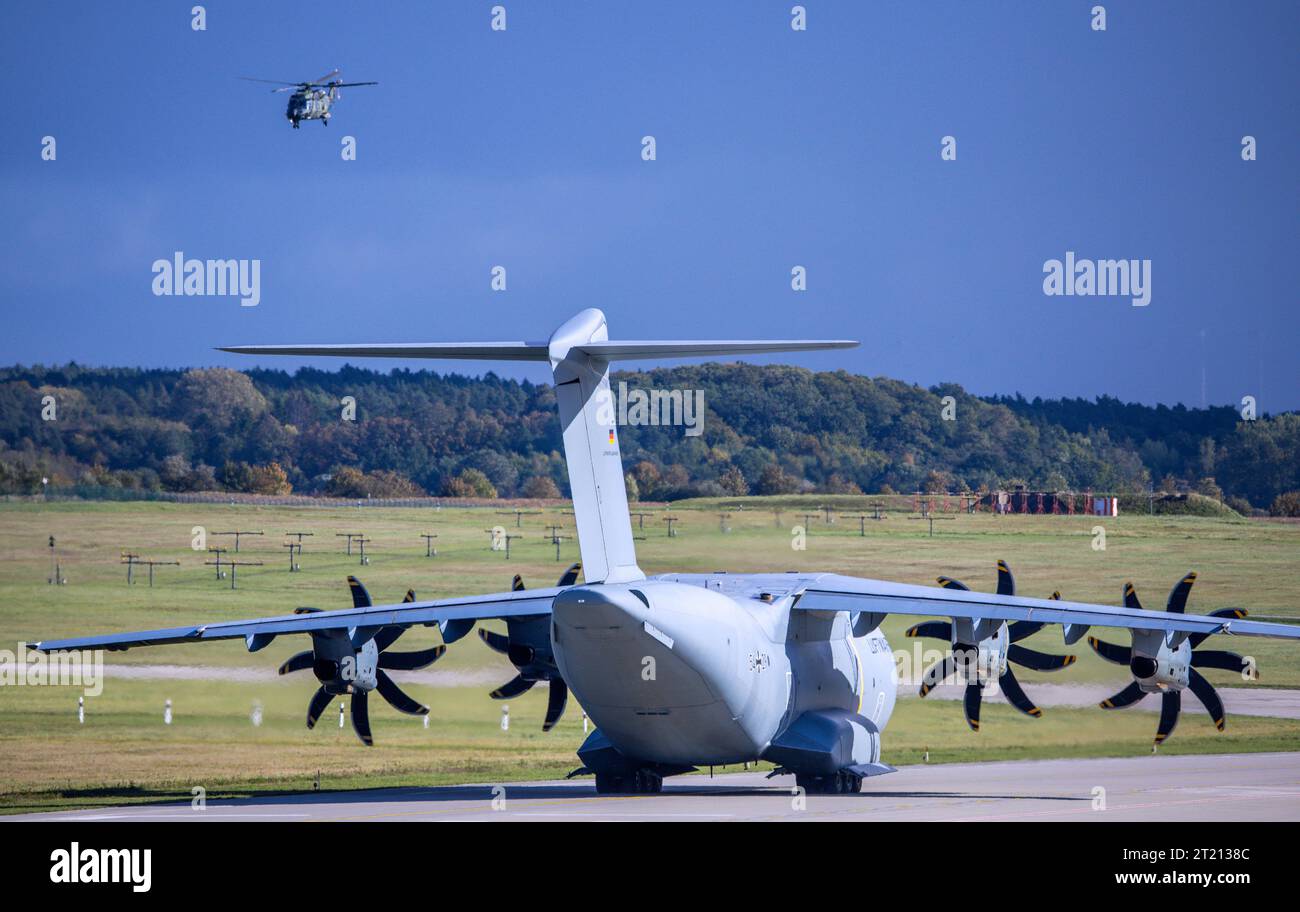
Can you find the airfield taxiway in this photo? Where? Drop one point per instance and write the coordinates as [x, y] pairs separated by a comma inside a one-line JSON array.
[[1238, 701], [1209, 787]]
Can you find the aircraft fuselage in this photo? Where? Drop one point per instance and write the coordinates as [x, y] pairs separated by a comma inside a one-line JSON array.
[[710, 671]]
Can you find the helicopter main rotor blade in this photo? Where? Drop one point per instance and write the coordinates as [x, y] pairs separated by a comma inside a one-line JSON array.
[[279, 82], [340, 85], [328, 76]]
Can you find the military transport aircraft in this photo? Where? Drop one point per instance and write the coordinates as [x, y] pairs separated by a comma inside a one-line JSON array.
[[684, 670]]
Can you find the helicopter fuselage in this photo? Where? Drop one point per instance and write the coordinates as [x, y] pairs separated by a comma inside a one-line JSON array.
[[309, 104]]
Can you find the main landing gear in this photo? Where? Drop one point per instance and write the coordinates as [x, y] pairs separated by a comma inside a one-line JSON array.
[[642, 782], [842, 782]]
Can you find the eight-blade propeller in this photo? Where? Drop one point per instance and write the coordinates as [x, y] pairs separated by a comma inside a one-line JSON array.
[[1146, 667], [529, 650], [335, 681], [966, 653]]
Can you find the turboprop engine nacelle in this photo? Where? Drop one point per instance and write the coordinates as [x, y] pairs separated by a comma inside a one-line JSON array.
[[981, 656], [342, 668], [1157, 666]]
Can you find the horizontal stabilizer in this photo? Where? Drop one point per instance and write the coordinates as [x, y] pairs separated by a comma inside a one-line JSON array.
[[539, 351], [627, 351], [474, 351]]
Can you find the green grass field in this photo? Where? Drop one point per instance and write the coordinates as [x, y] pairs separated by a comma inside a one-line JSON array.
[[125, 753]]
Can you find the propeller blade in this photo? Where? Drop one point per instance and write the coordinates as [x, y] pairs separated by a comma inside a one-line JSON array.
[[453, 630], [512, 688], [498, 642], [939, 629], [1019, 630], [517, 584], [1177, 600], [397, 698], [570, 576], [1235, 614], [1120, 655], [1016, 696], [1131, 597], [410, 661], [1206, 693], [1125, 697], [1006, 581], [297, 662], [1039, 661], [409, 597], [360, 597], [319, 701], [555, 703], [1228, 661], [305, 610], [971, 704], [948, 582], [361, 717], [937, 673], [387, 636], [1171, 705]]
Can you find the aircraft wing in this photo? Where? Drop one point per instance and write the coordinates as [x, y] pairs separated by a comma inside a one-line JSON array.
[[258, 632], [831, 592]]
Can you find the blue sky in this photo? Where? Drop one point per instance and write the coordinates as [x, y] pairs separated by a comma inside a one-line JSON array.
[[775, 148]]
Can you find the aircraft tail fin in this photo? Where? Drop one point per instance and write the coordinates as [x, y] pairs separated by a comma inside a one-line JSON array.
[[579, 353]]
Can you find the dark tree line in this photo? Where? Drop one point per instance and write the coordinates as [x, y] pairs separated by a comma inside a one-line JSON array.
[[766, 430]]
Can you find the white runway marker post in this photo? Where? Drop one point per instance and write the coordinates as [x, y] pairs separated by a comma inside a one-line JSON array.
[[340, 715], [81, 710], [505, 718], [167, 713]]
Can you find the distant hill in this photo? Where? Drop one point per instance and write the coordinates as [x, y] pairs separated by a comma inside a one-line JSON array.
[[765, 430]]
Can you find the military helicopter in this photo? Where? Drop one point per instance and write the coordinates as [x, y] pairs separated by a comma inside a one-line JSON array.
[[311, 100]]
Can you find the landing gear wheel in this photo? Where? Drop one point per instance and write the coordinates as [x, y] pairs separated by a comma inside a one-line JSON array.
[[608, 784], [642, 782], [647, 782], [811, 785], [842, 782]]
